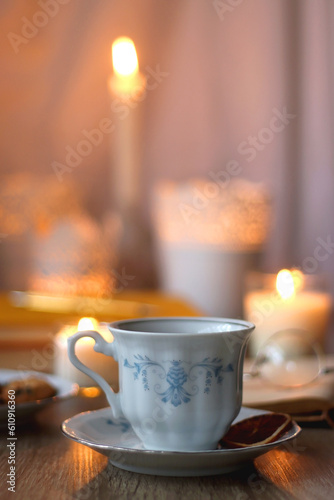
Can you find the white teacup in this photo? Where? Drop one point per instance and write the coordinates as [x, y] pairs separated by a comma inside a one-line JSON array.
[[180, 378]]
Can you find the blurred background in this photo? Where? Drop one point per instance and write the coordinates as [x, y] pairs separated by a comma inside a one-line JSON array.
[[232, 147]]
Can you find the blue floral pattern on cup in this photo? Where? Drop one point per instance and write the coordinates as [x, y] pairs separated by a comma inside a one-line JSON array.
[[177, 375]]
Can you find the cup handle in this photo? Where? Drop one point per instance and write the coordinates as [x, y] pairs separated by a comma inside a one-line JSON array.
[[105, 348]]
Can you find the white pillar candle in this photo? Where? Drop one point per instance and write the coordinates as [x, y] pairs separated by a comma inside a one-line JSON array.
[[127, 89], [290, 306], [106, 366], [208, 235]]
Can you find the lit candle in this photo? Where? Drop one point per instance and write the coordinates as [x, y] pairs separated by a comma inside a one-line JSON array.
[[106, 366], [127, 88], [289, 306]]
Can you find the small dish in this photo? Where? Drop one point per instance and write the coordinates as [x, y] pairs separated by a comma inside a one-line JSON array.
[[116, 439], [23, 411]]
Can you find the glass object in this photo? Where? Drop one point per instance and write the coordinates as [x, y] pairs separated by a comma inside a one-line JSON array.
[[289, 358]]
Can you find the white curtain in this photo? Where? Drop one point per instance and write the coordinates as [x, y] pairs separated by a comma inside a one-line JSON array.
[[232, 65]]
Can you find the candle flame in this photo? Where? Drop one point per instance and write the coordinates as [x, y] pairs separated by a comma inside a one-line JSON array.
[[87, 324], [90, 392], [124, 56], [287, 283]]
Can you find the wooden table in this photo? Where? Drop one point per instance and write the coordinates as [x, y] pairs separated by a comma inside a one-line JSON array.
[[50, 466]]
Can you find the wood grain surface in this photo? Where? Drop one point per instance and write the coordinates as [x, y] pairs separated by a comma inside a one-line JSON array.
[[50, 466]]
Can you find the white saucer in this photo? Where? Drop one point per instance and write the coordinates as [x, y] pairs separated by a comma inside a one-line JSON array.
[[24, 411], [116, 439]]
